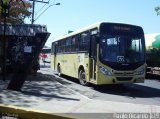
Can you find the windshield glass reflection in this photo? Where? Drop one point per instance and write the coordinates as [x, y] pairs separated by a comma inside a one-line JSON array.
[[121, 49]]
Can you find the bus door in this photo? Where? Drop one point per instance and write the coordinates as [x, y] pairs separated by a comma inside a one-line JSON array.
[[93, 57]]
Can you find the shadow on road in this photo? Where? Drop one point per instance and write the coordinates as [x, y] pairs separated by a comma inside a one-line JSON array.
[[44, 85], [67, 80], [129, 90], [45, 66], [153, 77], [37, 88]]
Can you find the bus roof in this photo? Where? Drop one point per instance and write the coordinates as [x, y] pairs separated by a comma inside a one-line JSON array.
[[95, 25]]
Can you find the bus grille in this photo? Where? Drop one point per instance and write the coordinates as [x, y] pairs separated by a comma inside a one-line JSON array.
[[124, 78], [123, 73]]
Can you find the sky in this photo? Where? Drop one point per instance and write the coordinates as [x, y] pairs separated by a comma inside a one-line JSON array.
[[75, 14]]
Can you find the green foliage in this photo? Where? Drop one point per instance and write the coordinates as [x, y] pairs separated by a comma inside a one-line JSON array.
[[157, 9], [18, 11]]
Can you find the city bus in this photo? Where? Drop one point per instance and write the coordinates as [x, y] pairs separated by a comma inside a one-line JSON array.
[[102, 53]]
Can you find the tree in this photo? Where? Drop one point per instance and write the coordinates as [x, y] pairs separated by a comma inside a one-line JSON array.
[[157, 9], [18, 11]]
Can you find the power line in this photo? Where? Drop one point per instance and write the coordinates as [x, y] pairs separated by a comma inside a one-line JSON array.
[[42, 7], [46, 10], [33, 9]]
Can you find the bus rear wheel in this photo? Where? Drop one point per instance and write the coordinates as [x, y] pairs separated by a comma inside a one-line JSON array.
[[82, 78]]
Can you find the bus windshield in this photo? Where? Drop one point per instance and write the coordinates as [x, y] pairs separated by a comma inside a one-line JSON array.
[[121, 49]]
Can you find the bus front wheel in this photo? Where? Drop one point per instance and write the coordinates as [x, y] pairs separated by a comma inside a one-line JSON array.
[[82, 78]]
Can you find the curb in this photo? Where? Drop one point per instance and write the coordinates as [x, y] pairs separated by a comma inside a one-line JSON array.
[[9, 111]]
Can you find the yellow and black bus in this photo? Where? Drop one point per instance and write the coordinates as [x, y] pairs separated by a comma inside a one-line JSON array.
[[103, 53]]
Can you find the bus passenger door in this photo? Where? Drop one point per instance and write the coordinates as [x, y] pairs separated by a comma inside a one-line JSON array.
[[93, 57]]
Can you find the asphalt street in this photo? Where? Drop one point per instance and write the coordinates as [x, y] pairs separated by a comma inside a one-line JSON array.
[[139, 93], [48, 92], [147, 93]]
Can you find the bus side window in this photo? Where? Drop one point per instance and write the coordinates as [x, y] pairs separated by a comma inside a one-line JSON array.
[[68, 45], [63, 45], [84, 41], [59, 47], [75, 44]]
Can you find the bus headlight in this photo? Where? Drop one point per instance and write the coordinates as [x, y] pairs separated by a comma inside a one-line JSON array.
[[104, 71], [140, 71]]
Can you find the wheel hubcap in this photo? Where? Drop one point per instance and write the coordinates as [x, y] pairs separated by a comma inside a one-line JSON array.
[[82, 78]]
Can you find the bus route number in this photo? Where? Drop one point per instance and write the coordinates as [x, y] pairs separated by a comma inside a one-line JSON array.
[[120, 59]]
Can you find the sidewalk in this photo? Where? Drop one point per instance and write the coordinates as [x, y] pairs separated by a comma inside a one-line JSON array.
[[44, 93]]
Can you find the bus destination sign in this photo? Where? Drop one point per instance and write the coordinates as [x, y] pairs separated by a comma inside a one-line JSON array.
[[122, 28]]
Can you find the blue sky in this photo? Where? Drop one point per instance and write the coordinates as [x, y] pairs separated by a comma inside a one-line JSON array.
[[76, 14]]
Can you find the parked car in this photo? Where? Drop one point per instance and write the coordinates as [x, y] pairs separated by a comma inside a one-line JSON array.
[[45, 55]]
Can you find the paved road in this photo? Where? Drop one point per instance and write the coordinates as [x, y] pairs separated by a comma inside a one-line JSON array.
[[147, 93], [68, 96]]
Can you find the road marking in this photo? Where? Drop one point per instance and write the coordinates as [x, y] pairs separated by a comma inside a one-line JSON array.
[[28, 113]]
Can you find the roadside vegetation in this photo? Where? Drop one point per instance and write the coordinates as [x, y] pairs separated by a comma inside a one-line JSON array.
[[19, 10]]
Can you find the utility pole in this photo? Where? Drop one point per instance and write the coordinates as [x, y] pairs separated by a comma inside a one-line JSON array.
[[33, 8], [33, 5]]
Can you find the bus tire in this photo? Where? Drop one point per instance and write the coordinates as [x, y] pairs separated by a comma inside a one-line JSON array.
[[81, 77], [58, 70]]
